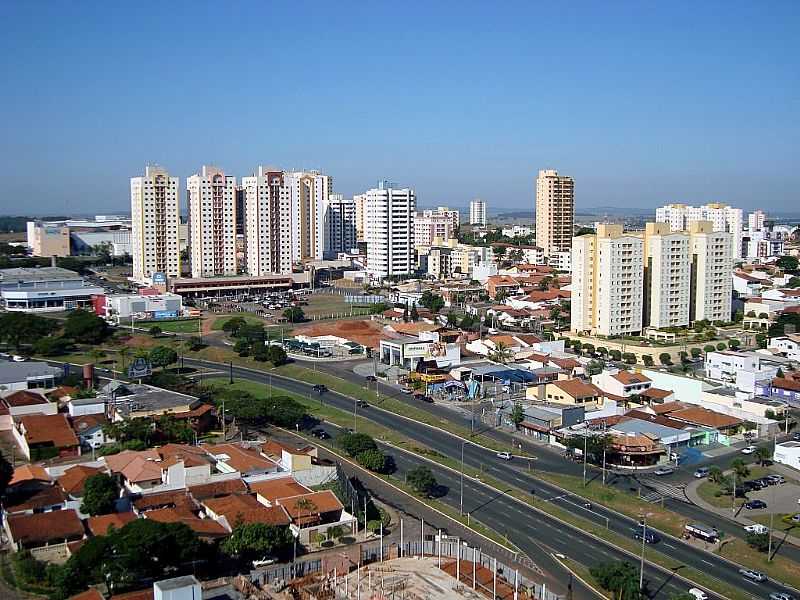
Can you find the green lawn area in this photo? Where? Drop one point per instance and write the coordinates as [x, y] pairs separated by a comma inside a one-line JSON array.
[[173, 326], [326, 305], [780, 522], [708, 490], [220, 320]]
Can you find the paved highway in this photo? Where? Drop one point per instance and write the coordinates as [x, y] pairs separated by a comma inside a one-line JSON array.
[[505, 516]]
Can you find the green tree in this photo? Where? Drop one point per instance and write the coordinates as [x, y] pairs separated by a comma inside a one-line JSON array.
[[763, 455], [684, 356], [414, 316], [517, 415], [618, 577], [276, 355], [373, 460], [452, 319], [258, 540], [85, 327], [17, 329], [602, 351], [629, 358], [758, 541], [734, 344], [740, 467], [162, 356], [194, 343], [615, 355], [100, 492], [787, 263], [647, 360], [234, 325], [421, 480], [665, 358], [294, 314], [431, 301], [51, 345], [695, 352], [155, 331], [577, 345], [722, 346], [708, 348], [6, 473], [715, 474], [501, 353], [355, 443]]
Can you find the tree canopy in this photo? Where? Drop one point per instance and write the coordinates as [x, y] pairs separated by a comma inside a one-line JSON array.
[[257, 540], [100, 493], [618, 577], [85, 327], [162, 356], [17, 329], [421, 480]]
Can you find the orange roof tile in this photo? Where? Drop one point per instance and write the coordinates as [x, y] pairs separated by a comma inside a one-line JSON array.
[[216, 489], [74, 478], [28, 473], [630, 377], [101, 524], [40, 528], [272, 489], [322, 502], [241, 459], [246, 509], [578, 388], [43, 429], [702, 416]]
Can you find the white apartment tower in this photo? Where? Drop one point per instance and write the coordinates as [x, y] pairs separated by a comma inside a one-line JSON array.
[[607, 279], [477, 212], [389, 230], [360, 202], [667, 277], [212, 222], [712, 272], [155, 218], [309, 191], [722, 217], [339, 225], [555, 211], [755, 220], [267, 216], [444, 211]]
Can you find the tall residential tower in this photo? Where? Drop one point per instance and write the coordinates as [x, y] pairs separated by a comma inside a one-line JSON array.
[[555, 211], [212, 222], [389, 230], [155, 218]]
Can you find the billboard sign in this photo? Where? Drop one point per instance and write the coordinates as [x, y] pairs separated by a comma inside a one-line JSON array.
[[159, 278], [140, 367]]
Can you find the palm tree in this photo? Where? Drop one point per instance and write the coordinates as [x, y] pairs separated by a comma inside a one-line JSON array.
[[501, 354], [740, 468], [715, 474], [124, 353], [762, 454], [305, 505]]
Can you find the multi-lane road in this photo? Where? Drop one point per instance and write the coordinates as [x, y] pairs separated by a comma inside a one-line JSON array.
[[526, 527]]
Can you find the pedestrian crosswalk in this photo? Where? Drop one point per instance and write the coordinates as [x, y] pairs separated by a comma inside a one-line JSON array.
[[653, 490]]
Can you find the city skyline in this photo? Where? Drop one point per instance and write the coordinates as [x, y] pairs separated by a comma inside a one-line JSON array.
[[685, 118]]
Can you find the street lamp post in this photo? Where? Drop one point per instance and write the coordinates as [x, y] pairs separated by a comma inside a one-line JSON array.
[[585, 438], [461, 501], [644, 541]]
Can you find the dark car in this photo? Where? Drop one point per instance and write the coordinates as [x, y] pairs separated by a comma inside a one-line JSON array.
[[752, 486], [371, 378], [320, 388], [362, 404], [419, 397], [320, 434], [427, 399], [755, 504], [650, 537]]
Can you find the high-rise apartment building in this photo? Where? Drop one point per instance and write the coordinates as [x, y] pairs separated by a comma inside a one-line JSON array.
[[389, 230], [360, 201], [712, 272], [555, 211], [339, 225], [755, 220], [155, 218], [477, 212], [267, 216], [667, 276], [444, 211], [431, 226], [722, 217], [212, 222], [607, 279], [309, 191]]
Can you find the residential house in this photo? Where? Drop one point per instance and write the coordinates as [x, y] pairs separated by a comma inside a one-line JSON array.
[[573, 391], [743, 369], [785, 389], [290, 458], [622, 383], [787, 346], [46, 436], [73, 480], [236, 458], [501, 285], [89, 429], [42, 531], [17, 404], [232, 510], [103, 524]]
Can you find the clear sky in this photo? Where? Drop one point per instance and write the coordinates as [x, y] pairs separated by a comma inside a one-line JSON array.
[[642, 102]]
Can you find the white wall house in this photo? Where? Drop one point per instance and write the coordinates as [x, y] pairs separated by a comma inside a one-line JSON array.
[[741, 369]]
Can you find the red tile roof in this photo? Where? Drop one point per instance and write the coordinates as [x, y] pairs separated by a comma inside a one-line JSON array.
[[90, 594], [272, 489], [40, 498], [630, 378], [44, 429], [101, 524], [41, 528], [707, 418], [28, 473], [242, 459], [25, 398], [217, 489], [74, 478], [578, 388], [246, 509]]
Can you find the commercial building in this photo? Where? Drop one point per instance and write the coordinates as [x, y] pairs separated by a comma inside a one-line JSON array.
[[155, 219], [667, 278], [339, 225], [44, 289], [212, 222], [389, 224], [787, 453], [79, 236], [477, 212], [16, 376], [45, 239], [150, 307], [712, 273], [555, 211], [724, 218], [607, 282]]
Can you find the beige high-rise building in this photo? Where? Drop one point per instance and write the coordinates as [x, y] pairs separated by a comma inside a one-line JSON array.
[[155, 218], [712, 272], [607, 280], [267, 216], [309, 191], [48, 240], [555, 211], [667, 276], [360, 201], [212, 222]]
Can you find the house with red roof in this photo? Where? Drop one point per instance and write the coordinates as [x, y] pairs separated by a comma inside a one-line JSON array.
[[46, 436]]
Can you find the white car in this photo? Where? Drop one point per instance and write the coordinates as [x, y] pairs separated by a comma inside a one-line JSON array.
[[698, 593], [18, 358], [749, 450], [504, 455], [756, 528]]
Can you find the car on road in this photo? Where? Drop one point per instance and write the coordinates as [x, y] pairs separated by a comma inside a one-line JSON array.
[[505, 455], [587, 505], [664, 471], [756, 528], [427, 399], [752, 575], [780, 596], [755, 504], [407, 390], [320, 388], [650, 537], [776, 479], [698, 594], [363, 404], [796, 436], [796, 518], [371, 378], [320, 434], [701, 472], [18, 358], [749, 449]]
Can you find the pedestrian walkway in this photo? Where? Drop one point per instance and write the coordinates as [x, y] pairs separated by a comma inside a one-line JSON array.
[[664, 488]]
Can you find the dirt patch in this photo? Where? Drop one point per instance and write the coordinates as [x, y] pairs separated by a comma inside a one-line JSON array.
[[363, 331]]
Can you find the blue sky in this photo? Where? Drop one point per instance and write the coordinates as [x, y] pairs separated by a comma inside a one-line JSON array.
[[642, 102]]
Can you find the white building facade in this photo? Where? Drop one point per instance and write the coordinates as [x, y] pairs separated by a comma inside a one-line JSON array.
[[712, 273], [267, 214], [155, 218], [212, 222], [477, 212], [722, 217], [667, 277], [389, 230], [339, 225]]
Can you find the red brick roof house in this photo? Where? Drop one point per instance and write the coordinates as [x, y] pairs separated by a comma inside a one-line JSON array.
[[46, 436], [44, 529]]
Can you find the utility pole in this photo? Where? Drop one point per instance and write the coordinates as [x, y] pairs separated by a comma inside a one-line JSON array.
[[461, 502], [644, 538], [584, 458]]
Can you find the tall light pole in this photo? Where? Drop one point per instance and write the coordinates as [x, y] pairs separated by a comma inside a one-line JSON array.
[[584, 457], [644, 541], [461, 502]]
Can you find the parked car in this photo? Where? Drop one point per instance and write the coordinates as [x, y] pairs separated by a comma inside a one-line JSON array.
[[664, 471], [702, 472], [756, 528], [755, 504], [749, 449], [752, 485], [776, 479], [407, 390], [320, 388], [650, 537], [18, 358], [371, 378], [505, 455], [752, 575], [320, 434], [698, 594], [796, 518], [362, 404]]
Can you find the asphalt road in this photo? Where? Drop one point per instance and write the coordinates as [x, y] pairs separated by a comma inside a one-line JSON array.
[[504, 513]]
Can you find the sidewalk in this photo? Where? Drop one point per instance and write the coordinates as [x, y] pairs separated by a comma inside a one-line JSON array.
[[694, 498]]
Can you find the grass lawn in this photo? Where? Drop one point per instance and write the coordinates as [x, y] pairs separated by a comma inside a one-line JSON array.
[[326, 305], [173, 326], [780, 522], [219, 321], [780, 568], [708, 489]]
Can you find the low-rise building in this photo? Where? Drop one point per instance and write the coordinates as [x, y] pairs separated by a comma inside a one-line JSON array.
[[787, 453], [27, 375], [574, 391], [41, 531], [787, 346], [44, 289], [46, 436], [140, 307], [743, 369], [622, 383]]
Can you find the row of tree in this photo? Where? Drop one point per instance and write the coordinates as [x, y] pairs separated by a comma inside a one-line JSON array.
[[50, 337]]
